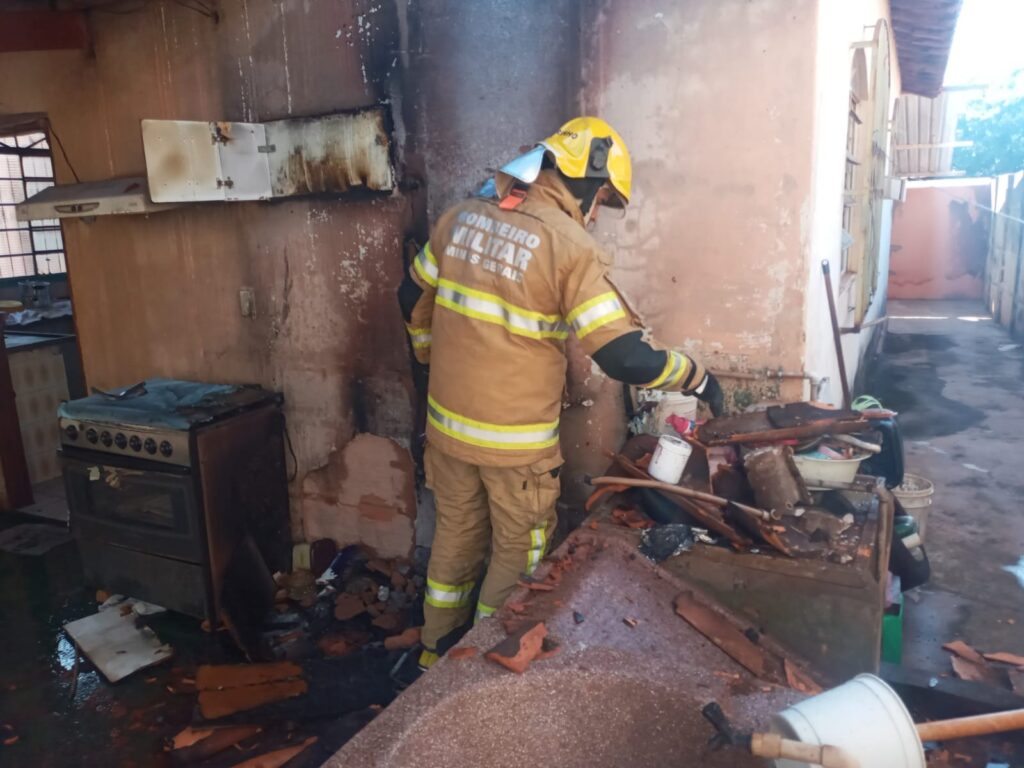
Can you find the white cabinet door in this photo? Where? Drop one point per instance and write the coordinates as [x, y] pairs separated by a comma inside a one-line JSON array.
[[182, 161], [190, 161], [243, 159]]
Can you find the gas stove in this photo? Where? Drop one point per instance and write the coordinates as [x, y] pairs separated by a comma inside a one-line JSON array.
[[173, 486], [153, 420]]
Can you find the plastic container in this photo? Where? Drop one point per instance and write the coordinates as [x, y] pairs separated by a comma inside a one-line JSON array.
[[669, 459], [915, 494], [673, 404], [892, 633], [816, 469], [864, 717]]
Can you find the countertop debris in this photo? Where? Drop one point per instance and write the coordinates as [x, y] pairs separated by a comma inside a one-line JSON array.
[[752, 500], [517, 650], [665, 541]]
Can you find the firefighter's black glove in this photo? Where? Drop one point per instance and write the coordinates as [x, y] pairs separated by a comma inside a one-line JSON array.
[[710, 391]]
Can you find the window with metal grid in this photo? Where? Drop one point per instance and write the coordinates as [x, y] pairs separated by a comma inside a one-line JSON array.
[[27, 248]]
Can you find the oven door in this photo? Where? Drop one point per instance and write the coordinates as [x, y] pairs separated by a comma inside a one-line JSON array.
[[149, 510]]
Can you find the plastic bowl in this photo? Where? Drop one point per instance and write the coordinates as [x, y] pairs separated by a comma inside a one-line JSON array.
[[821, 470]]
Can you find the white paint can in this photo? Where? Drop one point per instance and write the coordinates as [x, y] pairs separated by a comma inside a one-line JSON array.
[[670, 459]]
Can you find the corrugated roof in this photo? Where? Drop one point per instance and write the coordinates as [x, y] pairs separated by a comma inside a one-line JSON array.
[[923, 30], [924, 133]]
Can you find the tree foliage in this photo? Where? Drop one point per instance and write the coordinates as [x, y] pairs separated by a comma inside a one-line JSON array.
[[997, 129]]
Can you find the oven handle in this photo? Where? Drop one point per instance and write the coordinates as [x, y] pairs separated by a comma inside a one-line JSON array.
[[87, 458]]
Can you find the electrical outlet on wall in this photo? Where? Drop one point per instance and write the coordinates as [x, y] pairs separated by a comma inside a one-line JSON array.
[[247, 302]]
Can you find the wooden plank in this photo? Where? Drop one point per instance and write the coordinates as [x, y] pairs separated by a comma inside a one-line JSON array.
[[277, 758], [721, 632], [1013, 659], [214, 677], [216, 704], [964, 651], [193, 745], [936, 145]]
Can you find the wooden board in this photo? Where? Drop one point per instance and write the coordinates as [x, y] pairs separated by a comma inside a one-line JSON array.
[[718, 630], [215, 704], [213, 677]]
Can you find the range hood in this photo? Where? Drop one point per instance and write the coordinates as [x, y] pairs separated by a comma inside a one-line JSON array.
[[91, 198]]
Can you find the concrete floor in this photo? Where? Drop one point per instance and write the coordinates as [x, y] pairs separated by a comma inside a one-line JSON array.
[[961, 404], [62, 723]]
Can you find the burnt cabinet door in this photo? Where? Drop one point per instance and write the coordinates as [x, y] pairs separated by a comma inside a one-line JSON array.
[[145, 510]]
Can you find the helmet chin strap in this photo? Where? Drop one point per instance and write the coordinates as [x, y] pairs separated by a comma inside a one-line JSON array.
[[584, 190]]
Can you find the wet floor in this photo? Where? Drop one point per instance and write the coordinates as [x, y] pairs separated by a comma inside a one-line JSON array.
[[57, 721], [956, 379]]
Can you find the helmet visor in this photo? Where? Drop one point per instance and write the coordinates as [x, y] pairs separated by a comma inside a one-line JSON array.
[[526, 167]]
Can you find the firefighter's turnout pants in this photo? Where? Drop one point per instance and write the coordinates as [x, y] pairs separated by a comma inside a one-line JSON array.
[[509, 511]]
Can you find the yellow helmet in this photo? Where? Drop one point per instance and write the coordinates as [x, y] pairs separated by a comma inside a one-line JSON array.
[[585, 147]]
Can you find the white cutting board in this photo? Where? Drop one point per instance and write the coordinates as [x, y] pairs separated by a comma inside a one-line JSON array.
[[115, 645]]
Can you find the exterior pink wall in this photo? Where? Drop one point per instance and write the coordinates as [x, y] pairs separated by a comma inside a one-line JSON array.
[[940, 243]]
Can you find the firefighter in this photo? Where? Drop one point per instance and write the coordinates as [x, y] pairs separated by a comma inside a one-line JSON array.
[[488, 303]]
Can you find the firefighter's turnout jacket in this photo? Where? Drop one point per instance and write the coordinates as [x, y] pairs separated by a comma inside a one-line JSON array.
[[502, 289]]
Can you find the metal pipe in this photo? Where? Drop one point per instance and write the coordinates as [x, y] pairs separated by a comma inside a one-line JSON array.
[[836, 337], [678, 490], [816, 382]]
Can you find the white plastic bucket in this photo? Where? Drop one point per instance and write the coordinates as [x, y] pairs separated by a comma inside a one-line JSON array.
[[669, 459], [864, 717], [673, 404], [915, 494]]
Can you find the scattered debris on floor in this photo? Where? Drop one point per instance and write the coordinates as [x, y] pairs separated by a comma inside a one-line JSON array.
[[324, 657], [999, 669], [33, 538], [8, 736]]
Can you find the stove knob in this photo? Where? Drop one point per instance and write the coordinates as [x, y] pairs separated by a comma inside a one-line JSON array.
[[135, 443], [166, 448], [120, 440], [90, 435], [105, 438], [150, 445], [71, 431]]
